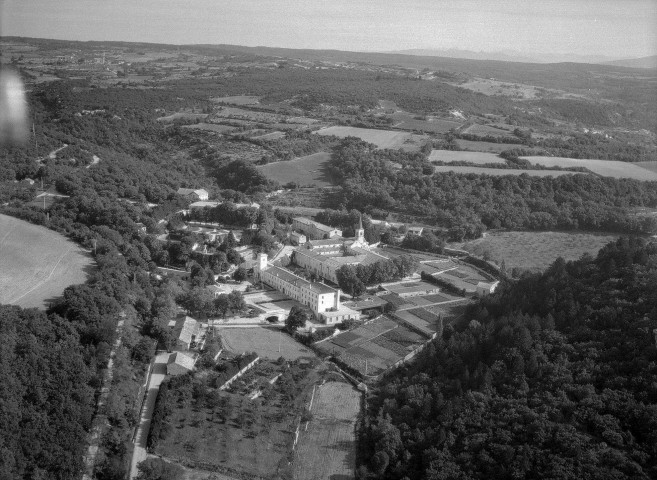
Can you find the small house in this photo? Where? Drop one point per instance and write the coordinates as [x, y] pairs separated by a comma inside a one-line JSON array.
[[179, 364]]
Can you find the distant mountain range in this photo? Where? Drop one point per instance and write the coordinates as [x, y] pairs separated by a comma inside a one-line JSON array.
[[515, 56]]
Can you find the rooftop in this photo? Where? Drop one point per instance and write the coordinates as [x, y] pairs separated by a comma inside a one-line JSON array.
[[182, 359], [202, 203], [293, 279], [185, 328]]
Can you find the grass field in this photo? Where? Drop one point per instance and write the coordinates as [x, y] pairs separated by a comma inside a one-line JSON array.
[[305, 171], [606, 168], [327, 447], [485, 146], [432, 125], [652, 166], [380, 138], [480, 158], [266, 342], [484, 130], [536, 250], [37, 264], [498, 172]]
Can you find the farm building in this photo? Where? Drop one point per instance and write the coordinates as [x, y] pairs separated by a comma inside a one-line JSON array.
[[179, 364], [185, 332], [323, 300], [315, 230], [484, 288], [193, 193]]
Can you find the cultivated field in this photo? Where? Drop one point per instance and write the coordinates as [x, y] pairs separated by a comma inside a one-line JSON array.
[[182, 116], [305, 171], [211, 127], [484, 146], [652, 166], [266, 342], [237, 100], [327, 446], [375, 346], [37, 264], [536, 250], [479, 158], [606, 168], [432, 125], [484, 130], [463, 277], [380, 138], [499, 172]]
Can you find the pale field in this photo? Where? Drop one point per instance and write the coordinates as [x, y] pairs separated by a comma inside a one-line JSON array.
[[606, 168], [500, 171], [536, 250], [37, 264], [268, 343], [211, 127], [380, 138], [480, 158], [308, 170], [182, 115], [327, 448]]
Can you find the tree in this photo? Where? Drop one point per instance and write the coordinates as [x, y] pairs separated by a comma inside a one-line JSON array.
[[296, 319], [158, 469], [349, 281], [240, 274]]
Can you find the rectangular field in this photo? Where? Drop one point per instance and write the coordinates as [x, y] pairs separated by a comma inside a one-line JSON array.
[[380, 138], [237, 100], [486, 130], [304, 171], [327, 444], [536, 250], [211, 127], [605, 168], [479, 158], [431, 125], [266, 342], [499, 172], [485, 146], [37, 264]]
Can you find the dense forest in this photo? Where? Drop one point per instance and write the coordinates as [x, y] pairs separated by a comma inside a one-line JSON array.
[[555, 377], [470, 203]]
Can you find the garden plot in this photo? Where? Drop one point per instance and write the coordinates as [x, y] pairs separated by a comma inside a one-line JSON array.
[[266, 342]]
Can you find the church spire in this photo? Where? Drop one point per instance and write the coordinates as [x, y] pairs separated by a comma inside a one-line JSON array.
[[360, 222]]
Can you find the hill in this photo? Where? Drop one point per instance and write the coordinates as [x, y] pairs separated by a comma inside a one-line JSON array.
[[643, 62], [556, 379]]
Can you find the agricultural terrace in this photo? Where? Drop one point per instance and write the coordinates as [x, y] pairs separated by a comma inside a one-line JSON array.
[[266, 342], [535, 250], [308, 170], [327, 443], [236, 432], [211, 127], [606, 168], [37, 264], [374, 346], [381, 138], [500, 172], [463, 277], [479, 158]]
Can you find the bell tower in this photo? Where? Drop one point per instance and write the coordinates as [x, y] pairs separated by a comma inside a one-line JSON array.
[[360, 231]]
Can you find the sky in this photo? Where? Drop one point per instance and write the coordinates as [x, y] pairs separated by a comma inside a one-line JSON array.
[[614, 28]]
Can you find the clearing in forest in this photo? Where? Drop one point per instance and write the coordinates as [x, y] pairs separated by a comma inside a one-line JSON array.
[[499, 172], [304, 171], [37, 264], [606, 168], [381, 138], [536, 250], [327, 443], [479, 158]]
